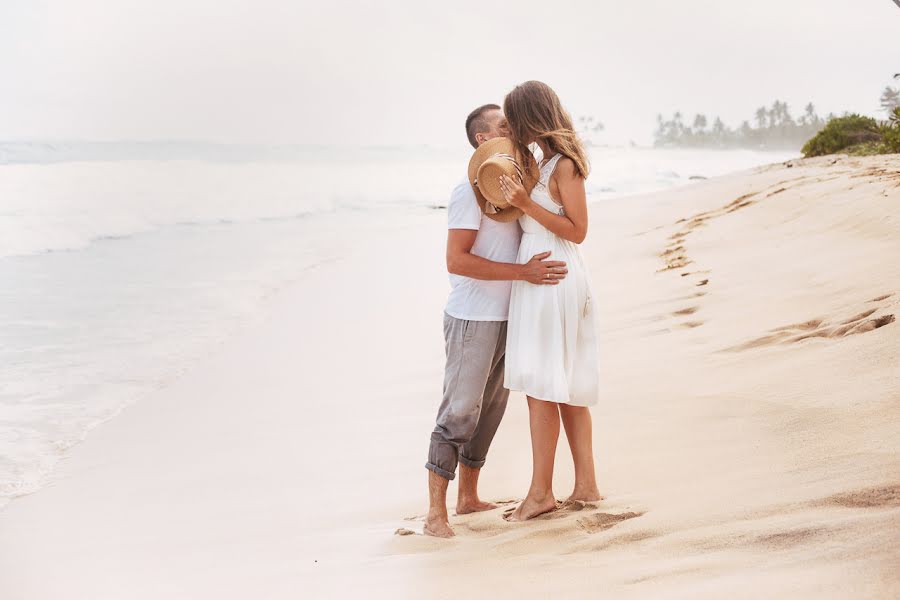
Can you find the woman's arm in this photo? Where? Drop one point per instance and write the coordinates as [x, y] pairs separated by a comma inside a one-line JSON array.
[[573, 225]]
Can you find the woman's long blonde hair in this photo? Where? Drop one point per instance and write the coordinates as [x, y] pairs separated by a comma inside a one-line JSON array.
[[534, 112]]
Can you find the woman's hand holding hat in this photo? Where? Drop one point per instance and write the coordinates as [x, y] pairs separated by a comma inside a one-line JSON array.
[[514, 192]]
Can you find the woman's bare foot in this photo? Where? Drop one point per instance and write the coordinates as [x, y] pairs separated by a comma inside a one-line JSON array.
[[436, 525], [465, 506], [585, 495], [533, 506]]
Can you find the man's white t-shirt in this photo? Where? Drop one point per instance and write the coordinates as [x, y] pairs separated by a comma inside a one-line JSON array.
[[476, 299]]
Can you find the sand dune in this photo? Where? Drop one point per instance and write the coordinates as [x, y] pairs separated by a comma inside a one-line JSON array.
[[748, 434]]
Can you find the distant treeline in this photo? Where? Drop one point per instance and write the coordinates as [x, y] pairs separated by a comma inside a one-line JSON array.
[[772, 128]]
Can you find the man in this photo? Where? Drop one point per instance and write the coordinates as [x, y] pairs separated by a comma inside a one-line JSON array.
[[481, 259]]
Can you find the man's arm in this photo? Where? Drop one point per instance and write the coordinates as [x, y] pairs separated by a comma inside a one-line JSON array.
[[461, 261]]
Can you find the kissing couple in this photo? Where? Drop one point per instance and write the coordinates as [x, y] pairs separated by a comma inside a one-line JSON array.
[[519, 316]]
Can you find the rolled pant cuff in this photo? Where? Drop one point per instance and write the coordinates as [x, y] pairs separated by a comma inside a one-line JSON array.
[[472, 464], [436, 469]]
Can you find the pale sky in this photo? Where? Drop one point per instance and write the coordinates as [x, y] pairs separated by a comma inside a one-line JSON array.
[[407, 72]]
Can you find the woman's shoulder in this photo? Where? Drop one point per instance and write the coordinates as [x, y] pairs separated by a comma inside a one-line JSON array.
[[566, 169]]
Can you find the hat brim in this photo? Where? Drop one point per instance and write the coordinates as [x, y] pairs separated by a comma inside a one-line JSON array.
[[482, 153], [503, 215]]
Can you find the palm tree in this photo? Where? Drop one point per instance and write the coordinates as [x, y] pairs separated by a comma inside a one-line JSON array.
[[810, 114], [778, 115], [890, 98], [677, 125], [718, 126], [700, 123], [761, 117], [786, 117], [720, 132], [661, 134]]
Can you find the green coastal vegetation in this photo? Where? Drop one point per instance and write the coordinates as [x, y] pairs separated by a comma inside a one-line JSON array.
[[859, 135], [775, 128], [856, 135]]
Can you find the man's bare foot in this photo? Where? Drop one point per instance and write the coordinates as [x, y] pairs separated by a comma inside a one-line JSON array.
[[466, 506], [532, 507], [436, 525]]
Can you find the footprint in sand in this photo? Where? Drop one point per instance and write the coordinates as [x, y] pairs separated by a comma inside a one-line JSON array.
[[874, 324], [887, 496], [603, 521], [862, 322], [688, 273], [588, 519], [739, 203], [675, 255], [861, 315], [805, 325], [782, 540], [675, 259], [858, 324]]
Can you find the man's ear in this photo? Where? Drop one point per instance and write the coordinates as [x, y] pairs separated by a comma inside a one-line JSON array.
[[480, 138]]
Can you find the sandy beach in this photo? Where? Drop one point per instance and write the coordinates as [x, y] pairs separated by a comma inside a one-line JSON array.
[[747, 436]]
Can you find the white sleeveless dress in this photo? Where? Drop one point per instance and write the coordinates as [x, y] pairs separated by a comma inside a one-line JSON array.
[[551, 342]]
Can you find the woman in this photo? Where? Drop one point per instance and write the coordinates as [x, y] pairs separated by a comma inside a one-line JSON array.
[[551, 350]]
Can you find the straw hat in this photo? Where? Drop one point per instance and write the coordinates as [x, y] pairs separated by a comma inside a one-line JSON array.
[[492, 159]]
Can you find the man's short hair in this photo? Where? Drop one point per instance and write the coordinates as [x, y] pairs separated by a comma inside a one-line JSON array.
[[476, 123]]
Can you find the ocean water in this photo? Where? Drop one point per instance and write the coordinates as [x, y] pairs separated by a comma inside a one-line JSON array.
[[117, 274]]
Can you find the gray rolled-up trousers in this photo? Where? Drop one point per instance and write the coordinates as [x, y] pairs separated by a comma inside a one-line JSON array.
[[474, 396]]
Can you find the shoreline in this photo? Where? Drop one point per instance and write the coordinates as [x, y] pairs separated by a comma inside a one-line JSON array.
[[133, 362], [746, 434]]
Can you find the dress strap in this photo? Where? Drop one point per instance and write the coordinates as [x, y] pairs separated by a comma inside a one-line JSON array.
[[549, 167]]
